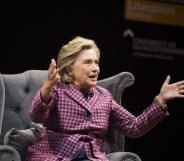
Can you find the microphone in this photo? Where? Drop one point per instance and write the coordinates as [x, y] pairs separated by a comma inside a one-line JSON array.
[[87, 94], [90, 94]]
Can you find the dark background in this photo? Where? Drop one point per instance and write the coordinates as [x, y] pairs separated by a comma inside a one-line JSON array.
[[33, 32]]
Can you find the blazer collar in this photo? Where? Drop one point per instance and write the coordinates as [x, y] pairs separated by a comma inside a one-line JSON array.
[[78, 97]]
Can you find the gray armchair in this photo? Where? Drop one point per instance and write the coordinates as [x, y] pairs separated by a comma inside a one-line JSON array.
[[17, 131]]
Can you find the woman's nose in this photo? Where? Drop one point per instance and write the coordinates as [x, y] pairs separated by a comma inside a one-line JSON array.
[[95, 66]]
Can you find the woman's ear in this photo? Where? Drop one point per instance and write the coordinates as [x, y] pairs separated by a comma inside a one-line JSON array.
[[69, 70]]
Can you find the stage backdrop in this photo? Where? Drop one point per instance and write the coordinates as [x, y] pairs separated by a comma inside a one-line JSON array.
[[152, 38]]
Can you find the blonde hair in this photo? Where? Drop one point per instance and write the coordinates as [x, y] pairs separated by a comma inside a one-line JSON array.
[[70, 52]]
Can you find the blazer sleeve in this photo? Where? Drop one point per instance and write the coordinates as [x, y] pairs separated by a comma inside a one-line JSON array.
[[132, 126], [39, 111]]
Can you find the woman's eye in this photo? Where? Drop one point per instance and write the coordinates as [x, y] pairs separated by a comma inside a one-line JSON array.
[[88, 62], [91, 62]]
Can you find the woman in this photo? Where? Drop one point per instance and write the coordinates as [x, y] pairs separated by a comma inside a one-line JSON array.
[[76, 113]]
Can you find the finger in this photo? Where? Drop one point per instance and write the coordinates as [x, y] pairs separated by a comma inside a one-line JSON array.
[[54, 75], [57, 71], [52, 66], [180, 87], [180, 83]]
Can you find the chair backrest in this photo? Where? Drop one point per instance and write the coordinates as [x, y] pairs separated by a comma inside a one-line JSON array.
[[18, 90], [116, 85], [2, 99]]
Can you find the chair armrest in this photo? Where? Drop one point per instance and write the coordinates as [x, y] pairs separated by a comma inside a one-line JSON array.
[[22, 139], [8, 153], [124, 156]]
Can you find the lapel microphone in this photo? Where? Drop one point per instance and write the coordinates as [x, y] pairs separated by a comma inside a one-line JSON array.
[[87, 94]]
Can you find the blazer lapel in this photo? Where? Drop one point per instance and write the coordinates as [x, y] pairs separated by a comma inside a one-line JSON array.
[[93, 99], [77, 96]]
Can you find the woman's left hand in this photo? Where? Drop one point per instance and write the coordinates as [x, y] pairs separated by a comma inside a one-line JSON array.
[[171, 91]]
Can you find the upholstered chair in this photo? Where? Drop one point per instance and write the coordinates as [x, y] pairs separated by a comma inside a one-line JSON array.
[[17, 131]]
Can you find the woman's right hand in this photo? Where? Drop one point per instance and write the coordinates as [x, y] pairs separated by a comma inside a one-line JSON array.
[[52, 79]]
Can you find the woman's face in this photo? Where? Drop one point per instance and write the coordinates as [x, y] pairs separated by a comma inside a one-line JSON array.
[[86, 69]]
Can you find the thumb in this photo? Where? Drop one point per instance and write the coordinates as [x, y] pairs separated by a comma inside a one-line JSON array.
[[167, 80], [53, 61]]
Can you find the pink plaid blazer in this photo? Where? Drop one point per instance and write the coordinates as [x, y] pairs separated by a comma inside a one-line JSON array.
[[72, 122]]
